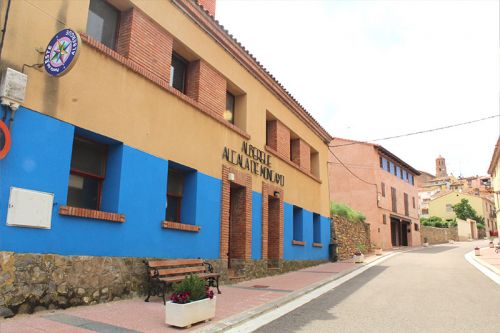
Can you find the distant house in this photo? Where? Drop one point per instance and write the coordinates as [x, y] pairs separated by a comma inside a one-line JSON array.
[[494, 171], [371, 179], [442, 206]]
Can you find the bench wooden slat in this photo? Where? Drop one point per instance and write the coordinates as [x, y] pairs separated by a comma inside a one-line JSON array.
[[180, 270], [174, 262], [179, 278]]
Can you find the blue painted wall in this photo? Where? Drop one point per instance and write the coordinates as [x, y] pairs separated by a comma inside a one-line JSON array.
[[306, 252], [135, 185]]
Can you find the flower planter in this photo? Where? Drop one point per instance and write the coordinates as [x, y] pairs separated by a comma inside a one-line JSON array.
[[425, 244], [477, 252], [491, 245], [451, 241], [359, 258], [184, 315], [378, 252]]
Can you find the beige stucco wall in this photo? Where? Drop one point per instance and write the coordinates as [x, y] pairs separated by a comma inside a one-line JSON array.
[[467, 229], [103, 96], [437, 206]]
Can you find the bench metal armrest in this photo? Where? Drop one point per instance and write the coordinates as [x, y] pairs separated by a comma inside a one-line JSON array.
[[210, 268]]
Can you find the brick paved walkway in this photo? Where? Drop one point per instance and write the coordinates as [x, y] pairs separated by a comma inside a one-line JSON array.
[[489, 256], [137, 316]]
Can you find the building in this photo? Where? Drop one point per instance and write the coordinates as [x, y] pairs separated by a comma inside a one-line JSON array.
[[166, 139], [494, 171], [441, 167], [441, 205], [374, 181]]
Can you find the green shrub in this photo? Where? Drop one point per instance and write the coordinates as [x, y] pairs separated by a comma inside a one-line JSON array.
[[346, 212], [193, 285]]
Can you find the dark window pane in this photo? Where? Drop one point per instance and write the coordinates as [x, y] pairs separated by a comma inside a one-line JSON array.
[[88, 157], [83, 192], [178, 72], [173, 209], [175, 183], [102, 22], [229, 113]]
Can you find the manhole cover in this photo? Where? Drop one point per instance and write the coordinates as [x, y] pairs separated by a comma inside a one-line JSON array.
[[259, 286]]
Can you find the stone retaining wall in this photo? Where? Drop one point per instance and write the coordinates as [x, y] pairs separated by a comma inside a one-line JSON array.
[[438, 235], [35, 282], [350, 235]]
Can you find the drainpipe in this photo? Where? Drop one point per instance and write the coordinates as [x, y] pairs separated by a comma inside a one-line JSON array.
[[4, 29]]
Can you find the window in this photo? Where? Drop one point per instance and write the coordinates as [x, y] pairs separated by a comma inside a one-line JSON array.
[[384, 219], [175, 189], [416, 226], [297, 223], [413, 202], [394, 200], [178, 70], [411, 179], [405, 175], [407, 211], [449, 208], [425, 211], [229, 113], [381, 164], [382, 189], [102, 22], [398, 172], [88, 166], [385, 164], [392, 168], [316, 228]]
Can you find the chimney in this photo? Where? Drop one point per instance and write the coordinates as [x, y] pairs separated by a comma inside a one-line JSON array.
[[441, 167], [208, 5]]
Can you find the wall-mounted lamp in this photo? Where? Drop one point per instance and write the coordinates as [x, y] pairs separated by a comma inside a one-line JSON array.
[[230, 176], [276, 194]]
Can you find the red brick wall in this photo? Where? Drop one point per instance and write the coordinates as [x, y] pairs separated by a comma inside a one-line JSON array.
[[301, 154], [144, 42], [207, 86], [241, 214], [272, 222], [209, 5], [278, 138]]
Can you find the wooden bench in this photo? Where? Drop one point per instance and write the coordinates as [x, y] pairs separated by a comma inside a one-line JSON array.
[[162, 273]]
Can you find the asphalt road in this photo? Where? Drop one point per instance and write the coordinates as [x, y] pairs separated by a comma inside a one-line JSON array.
[[427, 290]]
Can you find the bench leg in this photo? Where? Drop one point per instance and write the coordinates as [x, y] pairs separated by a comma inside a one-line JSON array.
[[149, 293], [217, 282]]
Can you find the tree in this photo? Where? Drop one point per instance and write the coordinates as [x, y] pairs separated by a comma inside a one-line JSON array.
[[464, 211]]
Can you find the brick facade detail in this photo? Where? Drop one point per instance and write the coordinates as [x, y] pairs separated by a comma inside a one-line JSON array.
[[205, 85], [180, 226], [272, 222], [145, 43], [301, 154], [278, 138], [91, 214], [236, 239]]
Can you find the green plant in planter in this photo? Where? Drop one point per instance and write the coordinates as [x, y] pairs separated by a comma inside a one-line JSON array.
[[360, 248], [191, 289]]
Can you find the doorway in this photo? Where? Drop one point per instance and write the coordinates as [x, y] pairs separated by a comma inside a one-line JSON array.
[[404, 233], [236, 246], [273, 232], [395, 231]]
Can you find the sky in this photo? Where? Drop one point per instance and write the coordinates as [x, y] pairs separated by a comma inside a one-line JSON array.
[[372, 69]]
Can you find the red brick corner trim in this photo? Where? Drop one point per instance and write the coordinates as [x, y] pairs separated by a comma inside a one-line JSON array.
[[180, 226], [284, 159], [299, 243], [317, 245], [91, 214]]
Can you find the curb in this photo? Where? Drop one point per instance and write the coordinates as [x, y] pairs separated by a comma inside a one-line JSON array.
[[241, 318], [489, 270]]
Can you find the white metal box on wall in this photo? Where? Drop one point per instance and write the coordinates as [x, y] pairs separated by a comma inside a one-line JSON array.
[[29, 208]]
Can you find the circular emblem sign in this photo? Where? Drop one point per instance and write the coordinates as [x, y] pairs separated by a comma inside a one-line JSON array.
[[5, 140], [62, 52]]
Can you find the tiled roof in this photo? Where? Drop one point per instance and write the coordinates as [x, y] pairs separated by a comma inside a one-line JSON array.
[[320, 131]]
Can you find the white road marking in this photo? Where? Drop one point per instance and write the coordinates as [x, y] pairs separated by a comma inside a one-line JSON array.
[[255, 323], [492, 275]]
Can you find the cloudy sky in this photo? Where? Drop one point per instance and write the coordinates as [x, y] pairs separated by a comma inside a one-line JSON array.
[[372, 69]]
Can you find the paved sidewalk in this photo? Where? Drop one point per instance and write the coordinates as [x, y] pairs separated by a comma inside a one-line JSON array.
[[490, 259], [237, 303]]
